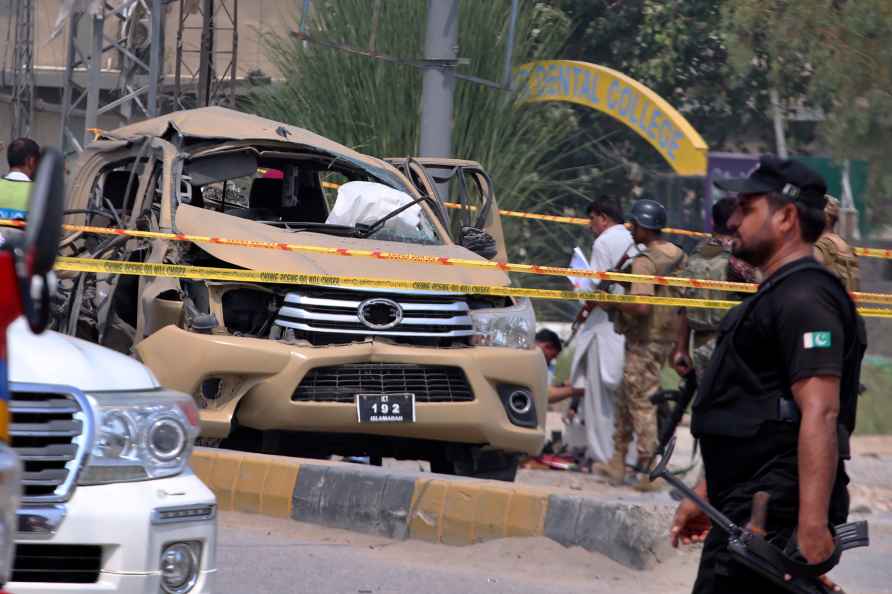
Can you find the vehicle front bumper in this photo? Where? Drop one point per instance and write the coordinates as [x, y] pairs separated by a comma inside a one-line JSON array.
[[268, 372], [118, 518]]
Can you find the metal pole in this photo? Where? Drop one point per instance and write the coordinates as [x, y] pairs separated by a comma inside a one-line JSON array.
[[157, 41], [206, 59], [440, 57], [303, 16], [178, 71], [69, 79], [22, 107], [234, 63], [779, 137], [93, 80], [509, 50], [849, 214]]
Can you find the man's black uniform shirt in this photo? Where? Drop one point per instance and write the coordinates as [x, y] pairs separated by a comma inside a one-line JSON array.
[[805, 326]]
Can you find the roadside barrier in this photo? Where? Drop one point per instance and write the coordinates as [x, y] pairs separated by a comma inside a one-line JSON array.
[[242, 275]]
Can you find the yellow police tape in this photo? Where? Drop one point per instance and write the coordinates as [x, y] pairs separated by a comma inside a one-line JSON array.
[[860, 251], [573, 220], [416, 259], [290, 278], [671, 281], [256, 276]]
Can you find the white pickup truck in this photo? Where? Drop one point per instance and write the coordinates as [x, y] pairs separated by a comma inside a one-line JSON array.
[[109, 503]]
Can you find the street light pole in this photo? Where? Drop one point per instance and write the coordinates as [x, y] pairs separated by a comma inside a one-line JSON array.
[[441, 58]]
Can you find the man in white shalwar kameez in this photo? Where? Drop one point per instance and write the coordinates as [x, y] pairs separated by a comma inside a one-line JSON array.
[[598, 356]]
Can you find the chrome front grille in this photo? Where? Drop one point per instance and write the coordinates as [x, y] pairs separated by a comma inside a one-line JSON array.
[[52, 432], [336, 311]]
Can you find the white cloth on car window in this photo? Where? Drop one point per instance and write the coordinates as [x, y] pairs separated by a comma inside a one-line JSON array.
[[366, 202]]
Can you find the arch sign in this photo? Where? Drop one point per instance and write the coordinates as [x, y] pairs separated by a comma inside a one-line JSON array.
[[621, 97]]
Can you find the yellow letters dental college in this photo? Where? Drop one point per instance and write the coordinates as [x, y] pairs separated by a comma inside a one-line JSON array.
[[620, 97]]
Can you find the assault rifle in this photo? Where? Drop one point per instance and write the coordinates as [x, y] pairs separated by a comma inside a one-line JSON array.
[[668, 416], [749, 546]]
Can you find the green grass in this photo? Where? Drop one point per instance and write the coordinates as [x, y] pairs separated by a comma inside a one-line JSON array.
[[875, 405]]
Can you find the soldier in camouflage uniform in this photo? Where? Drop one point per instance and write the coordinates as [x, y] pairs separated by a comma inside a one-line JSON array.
[[832, 251], [712, 260], [650, 332]]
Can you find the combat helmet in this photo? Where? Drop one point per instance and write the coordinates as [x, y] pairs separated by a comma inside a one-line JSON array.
[[648, 214]]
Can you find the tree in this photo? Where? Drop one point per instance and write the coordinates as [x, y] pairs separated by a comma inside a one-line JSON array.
[[833, 55], [679, 50], [675, 48]]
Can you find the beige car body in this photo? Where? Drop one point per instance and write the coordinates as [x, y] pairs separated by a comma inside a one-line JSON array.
[[254, 377]]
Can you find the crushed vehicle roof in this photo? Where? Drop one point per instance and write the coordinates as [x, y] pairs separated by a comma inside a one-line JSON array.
[[208, 123]]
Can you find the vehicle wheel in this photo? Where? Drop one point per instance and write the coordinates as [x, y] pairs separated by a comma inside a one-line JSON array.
[[477, 463], [243, 439], [441, 465]]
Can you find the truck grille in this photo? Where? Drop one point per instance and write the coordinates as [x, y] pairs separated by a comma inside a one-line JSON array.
[[325, 315], [59, 564], [341, 383], [51, 431]]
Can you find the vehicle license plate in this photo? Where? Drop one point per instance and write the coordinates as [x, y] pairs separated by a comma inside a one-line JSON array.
[[385, 408]]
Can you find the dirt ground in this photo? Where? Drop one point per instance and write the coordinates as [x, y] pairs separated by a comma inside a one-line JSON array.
[[259, 554], [870, 471]]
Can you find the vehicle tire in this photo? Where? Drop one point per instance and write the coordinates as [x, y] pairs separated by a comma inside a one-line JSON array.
[[476, 462], [440, 464], [243, 439]]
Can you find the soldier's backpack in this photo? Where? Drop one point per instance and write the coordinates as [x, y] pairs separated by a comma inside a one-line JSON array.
[[709, 262], [840, 259]]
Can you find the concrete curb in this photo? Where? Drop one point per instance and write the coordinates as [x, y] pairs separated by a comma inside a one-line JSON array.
[[431, 507]]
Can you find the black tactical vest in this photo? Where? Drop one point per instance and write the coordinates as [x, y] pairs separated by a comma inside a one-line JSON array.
[[732, 402]]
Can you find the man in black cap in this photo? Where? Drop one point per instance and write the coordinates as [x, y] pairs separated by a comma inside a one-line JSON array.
[[777, 403]]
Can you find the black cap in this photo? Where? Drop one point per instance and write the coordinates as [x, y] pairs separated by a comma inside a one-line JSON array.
[[785, 176]]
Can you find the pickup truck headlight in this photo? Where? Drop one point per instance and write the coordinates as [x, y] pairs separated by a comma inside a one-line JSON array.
[[140, 436], [513, 327]]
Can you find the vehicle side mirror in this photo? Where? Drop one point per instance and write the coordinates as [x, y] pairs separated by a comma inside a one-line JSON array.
[[38, 253]]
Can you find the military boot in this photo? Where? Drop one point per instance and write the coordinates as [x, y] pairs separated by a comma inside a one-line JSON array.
[[645, 485], [614, 470]]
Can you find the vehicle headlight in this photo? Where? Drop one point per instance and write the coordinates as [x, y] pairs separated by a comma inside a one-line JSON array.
[[140, 436], [513, 327], [10, 487]]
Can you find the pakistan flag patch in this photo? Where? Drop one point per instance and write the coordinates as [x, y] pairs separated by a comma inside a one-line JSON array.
[[816, 340]]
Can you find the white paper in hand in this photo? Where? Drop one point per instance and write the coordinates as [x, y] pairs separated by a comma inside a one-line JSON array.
[[578, 261]]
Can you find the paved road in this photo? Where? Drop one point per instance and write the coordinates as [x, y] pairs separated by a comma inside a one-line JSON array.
[[259, 555]]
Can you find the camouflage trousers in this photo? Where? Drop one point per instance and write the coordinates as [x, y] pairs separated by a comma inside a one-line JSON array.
[[701, 356], [635, 414]]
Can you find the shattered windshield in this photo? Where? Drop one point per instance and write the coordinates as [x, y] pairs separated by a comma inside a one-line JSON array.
[[334, 196]]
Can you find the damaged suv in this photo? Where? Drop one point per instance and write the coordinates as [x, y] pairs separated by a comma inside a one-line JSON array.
[[302, 370]]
